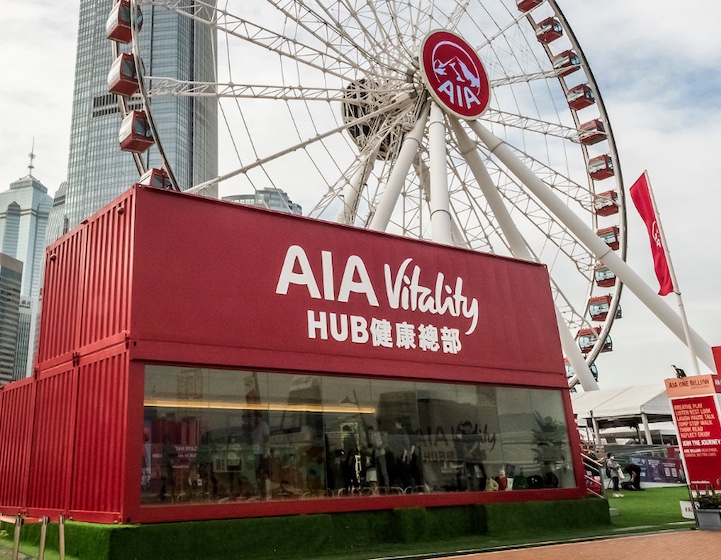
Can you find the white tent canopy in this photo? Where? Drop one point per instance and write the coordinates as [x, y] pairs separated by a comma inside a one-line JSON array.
[[623, 406]]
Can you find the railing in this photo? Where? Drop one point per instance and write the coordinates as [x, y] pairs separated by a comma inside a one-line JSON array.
[[593, 475]]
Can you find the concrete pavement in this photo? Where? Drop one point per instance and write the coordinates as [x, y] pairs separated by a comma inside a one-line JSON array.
[[669, 545]]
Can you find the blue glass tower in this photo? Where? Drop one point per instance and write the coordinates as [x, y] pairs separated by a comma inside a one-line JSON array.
[[98, 171]]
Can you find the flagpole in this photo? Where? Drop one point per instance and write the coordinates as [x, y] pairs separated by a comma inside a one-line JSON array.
[[674, 281]]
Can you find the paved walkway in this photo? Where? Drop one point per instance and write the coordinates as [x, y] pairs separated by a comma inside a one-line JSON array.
[[671, 545]]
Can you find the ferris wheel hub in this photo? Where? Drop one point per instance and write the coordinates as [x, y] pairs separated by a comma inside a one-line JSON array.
[[394, 113]]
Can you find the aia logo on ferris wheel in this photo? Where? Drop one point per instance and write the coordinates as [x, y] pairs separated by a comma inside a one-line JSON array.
[[454, 74]]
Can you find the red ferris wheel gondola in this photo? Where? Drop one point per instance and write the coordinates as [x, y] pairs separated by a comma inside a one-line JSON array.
[[117, 27], [527, 5], [601, 167], [123, 76], [587, 340], [157, 178], [611, 235], [591, 132], [567, 61], [580, 97], [549, 30], [135, 134], [604, 276], [606, 203], [598, 308]]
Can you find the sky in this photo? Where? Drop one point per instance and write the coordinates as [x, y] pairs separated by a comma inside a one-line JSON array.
[[658, 72]]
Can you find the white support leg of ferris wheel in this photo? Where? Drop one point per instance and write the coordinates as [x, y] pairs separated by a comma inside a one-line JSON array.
[[347, 212], [411, 144], [594, 243], [440, 198], [518, 246], [423, 173]]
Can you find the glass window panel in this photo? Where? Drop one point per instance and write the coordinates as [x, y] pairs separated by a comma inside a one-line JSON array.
[[221, 435]]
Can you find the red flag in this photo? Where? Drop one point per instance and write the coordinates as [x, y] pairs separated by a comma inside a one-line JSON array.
[[642, 200]]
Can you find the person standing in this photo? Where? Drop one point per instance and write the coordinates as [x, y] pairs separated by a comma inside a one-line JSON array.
[[259, 437], [233, 464], [613, 470], [379, 451], [167, 463], [402, 451]]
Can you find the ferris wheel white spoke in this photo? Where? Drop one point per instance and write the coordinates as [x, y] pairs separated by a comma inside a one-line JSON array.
[[329, 24], [589, 238], [395, 22], [562, 184], [518, 245], [353, 15], [541, 75], [265, 38], [382, 213], [532, 124], [171, 86], [542, 220], [456, 14], [467, 149], [403, 101]]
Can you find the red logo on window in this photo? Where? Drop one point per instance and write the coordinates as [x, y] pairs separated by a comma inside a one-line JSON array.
[[454, 74]]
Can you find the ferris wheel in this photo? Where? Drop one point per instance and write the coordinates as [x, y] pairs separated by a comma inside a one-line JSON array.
[[476, 123]]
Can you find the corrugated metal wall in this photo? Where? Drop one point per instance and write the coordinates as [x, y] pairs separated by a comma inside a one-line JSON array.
[[62, 287], [86, 289], [16, 428], [107, 275], [51, 461], [63, 432], [100, 435]]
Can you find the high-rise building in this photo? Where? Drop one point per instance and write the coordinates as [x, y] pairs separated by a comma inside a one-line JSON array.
[[171, 46], [11, 273], [275, 199], [27, 337], [24, 211]]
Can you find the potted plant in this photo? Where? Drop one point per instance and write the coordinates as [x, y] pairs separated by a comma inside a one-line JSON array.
[[708, 511], [550, 436]]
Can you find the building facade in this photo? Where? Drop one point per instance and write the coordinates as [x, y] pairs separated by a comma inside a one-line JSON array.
[[11, 273], [267, 375], [274, 199], [24, 212], [98, 171]]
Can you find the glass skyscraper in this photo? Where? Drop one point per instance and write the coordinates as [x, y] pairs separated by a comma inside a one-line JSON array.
[[11, 273], [171, 46], [24, 211]]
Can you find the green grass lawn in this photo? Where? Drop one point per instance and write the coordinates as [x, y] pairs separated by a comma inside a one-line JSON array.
[[654, 509]]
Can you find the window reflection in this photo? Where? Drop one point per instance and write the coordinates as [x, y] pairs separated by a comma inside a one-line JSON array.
[[219, 436]]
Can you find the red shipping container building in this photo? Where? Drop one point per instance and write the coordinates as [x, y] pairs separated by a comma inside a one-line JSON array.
[[238, 362]]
